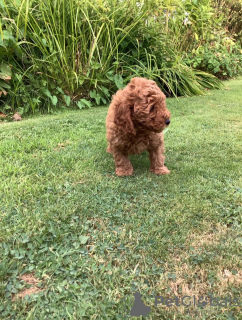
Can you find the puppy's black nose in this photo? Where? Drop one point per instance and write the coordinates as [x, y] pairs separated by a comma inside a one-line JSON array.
[[168, 121]]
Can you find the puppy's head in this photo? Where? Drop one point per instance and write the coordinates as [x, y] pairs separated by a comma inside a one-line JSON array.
[[148, 105], [141, 104]]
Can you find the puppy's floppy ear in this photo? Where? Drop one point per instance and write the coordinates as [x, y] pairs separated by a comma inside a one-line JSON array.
[[122, 118], [153, 94]]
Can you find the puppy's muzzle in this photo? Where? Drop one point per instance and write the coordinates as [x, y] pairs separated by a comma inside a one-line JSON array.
[[168, 121]]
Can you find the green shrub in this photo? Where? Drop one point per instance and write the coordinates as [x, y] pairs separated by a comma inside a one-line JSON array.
[[231, 11], [223, 59], [189, 23], [79, 52]]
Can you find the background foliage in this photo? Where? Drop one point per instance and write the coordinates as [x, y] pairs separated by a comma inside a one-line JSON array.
[[57, 54]]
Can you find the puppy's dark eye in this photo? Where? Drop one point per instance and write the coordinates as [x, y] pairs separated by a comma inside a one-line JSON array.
[[152, 108]]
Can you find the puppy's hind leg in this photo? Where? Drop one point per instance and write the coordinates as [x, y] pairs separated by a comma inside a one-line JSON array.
[[122, 164]]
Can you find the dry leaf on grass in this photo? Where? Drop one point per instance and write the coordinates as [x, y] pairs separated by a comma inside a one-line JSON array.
[[3, 92], [7, 78], [16, 117], [62, 145], [2, 115]]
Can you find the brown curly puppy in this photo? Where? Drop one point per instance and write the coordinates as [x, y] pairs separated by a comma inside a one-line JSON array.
[[136, 118]]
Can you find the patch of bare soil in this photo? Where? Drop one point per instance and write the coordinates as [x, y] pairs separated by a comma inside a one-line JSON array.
[[29, 279]]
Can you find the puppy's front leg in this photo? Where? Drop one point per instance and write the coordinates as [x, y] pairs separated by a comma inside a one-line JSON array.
[[122, 164], [157, 160]]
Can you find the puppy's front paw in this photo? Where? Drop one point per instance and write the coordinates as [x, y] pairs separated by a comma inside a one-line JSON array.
[[123, 172], [162, 170]]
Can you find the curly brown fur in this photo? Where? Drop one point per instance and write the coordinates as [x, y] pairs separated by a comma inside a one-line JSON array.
[[136, 118]]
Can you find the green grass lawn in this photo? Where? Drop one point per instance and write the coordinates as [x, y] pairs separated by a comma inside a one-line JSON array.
[[81, 241]]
